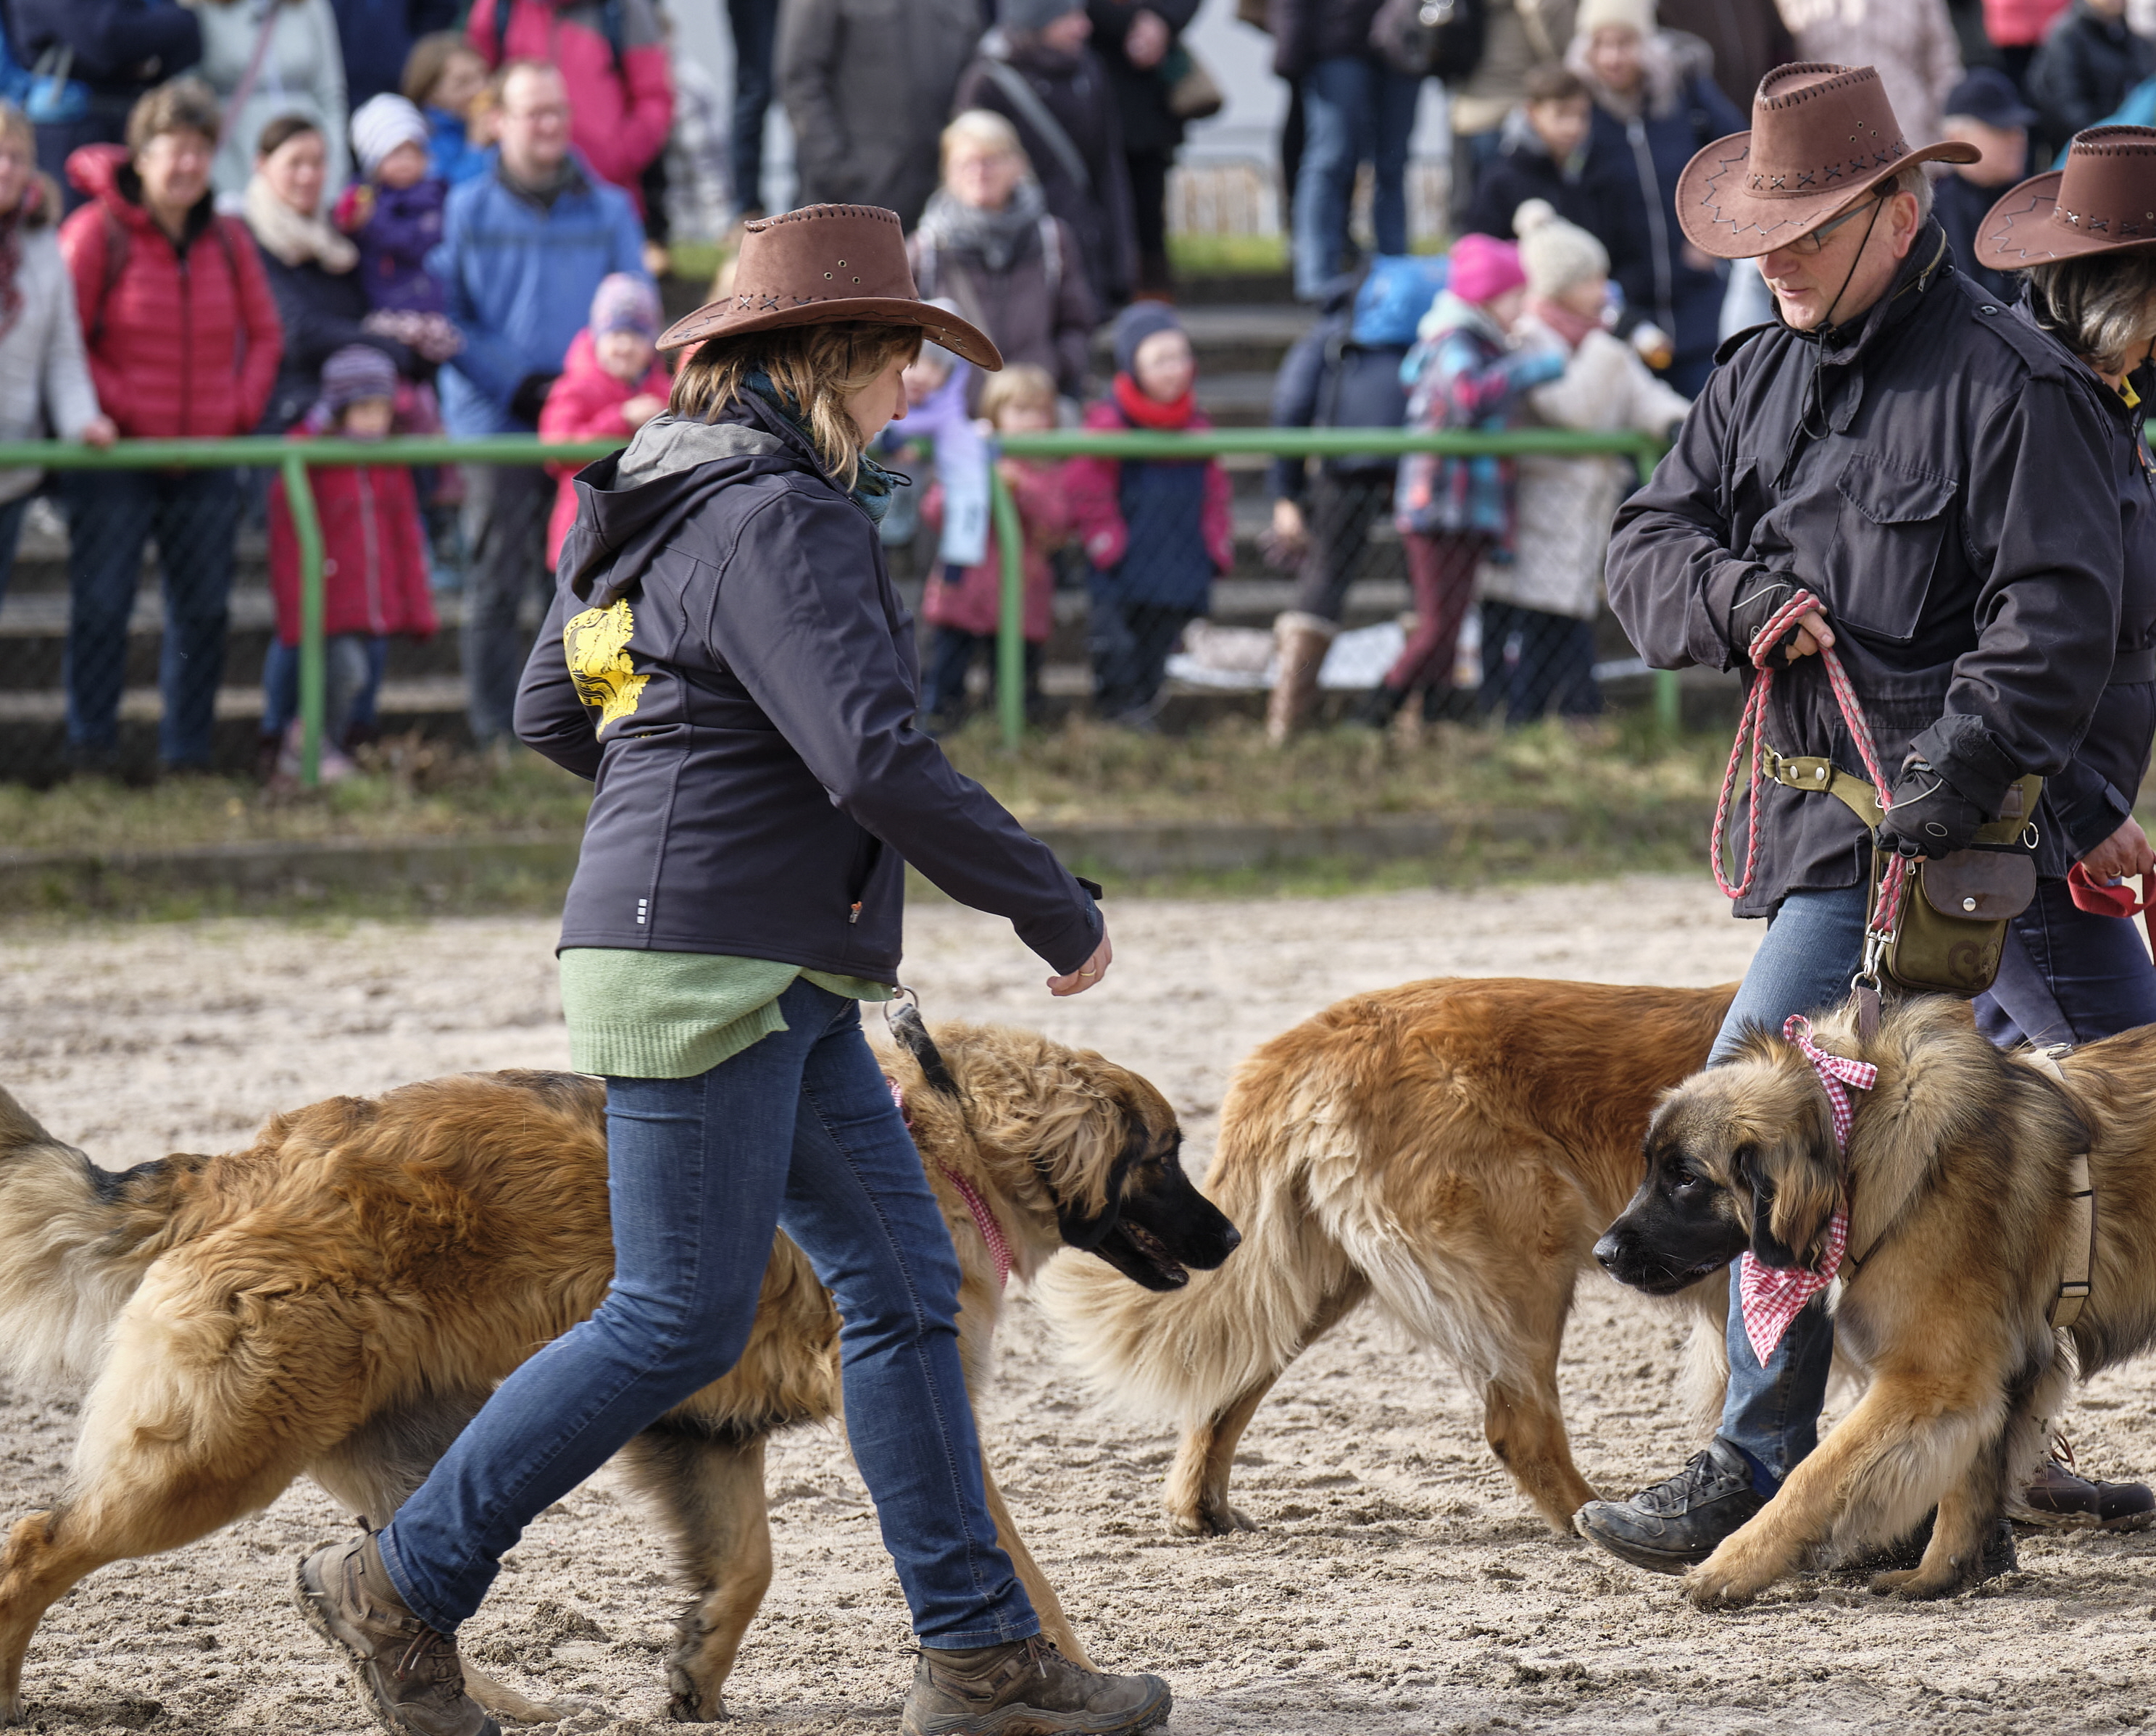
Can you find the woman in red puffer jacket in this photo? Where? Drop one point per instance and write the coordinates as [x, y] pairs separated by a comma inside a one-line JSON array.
[[183, 339]]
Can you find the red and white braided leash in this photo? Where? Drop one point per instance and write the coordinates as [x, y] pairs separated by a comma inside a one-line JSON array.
[[1751, 733], [1772, 1298]]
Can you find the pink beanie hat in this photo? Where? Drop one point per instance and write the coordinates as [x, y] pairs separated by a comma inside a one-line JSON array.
[[1483, 268]]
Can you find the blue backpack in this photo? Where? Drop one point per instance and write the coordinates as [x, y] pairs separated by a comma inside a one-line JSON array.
[[1395, 294]]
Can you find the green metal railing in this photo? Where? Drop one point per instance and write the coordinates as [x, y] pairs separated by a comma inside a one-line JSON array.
[[293, 458]]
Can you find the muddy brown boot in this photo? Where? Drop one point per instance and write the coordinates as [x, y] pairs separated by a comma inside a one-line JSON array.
[[407, 1673], [2058, 1495], [1300, 643], [1028, 1686]]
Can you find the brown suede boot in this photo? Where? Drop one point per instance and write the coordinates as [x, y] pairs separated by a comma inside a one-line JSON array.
[[1027, 1685], [1300, 643], [408, 1674]]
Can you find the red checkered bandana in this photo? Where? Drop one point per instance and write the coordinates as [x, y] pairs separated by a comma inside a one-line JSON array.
[[1771, 1295]]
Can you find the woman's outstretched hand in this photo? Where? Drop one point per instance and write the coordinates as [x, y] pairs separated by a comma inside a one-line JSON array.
[[1087, 974]]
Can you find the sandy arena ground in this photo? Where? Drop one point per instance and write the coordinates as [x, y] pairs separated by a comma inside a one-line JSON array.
[[1399, 1583]]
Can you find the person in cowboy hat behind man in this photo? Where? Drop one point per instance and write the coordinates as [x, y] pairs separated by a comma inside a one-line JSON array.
[[1942, 477], [726, 654]]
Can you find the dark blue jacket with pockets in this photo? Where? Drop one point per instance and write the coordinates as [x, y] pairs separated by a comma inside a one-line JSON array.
[[727, 658]]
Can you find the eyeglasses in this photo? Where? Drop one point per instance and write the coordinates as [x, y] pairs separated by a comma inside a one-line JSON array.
[[1815, 240]]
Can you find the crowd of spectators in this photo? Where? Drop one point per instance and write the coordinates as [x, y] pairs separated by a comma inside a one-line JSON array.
[[234, 217]]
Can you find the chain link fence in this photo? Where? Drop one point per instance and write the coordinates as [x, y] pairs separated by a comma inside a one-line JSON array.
[[167, 605]]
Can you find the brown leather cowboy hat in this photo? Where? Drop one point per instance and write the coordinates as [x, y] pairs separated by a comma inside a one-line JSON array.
[[2103, 201], [1822, 137], [821, 265]]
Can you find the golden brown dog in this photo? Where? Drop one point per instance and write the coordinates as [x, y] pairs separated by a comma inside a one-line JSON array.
[[1448, 1151], [1956, 1184], [340, 1297]]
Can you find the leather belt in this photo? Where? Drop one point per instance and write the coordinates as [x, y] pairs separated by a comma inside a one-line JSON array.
[[2132, 666]]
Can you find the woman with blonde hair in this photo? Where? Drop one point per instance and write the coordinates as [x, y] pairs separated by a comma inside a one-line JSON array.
[[727, 657], [987, 242]]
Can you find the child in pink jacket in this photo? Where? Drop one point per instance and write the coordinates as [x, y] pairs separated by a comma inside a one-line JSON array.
[[612, 384], [965, 604]]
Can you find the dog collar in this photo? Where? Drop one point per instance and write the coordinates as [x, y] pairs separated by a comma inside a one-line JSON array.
[[1771, 1297], [984, 1219]]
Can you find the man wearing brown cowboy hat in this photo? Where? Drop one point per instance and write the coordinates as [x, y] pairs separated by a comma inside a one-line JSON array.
[[1940, 476]]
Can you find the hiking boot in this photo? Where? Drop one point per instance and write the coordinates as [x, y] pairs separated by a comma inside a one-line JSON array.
[[1679, 1524], [408, 1674], [2056, 1495], [1028, 1687]]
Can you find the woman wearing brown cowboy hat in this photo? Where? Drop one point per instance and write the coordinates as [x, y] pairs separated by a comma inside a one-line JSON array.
[[1942, 477], [727, 657], [2085, 235]]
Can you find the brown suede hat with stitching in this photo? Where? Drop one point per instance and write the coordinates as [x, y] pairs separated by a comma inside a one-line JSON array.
[[821, 265], [1821, 137], [2102, 202]]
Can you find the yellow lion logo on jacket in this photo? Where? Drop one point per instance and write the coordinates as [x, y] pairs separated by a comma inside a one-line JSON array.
[[596, 644]]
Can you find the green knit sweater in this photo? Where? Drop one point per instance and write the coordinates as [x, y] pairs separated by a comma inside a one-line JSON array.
[[640, 1015]]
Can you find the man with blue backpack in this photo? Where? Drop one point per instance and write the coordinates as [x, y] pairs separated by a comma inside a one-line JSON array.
[[1343, 373], [76, 66]]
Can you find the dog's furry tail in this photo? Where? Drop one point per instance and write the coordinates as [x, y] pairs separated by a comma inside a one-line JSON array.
[[1183, 1354], [74, 1242]]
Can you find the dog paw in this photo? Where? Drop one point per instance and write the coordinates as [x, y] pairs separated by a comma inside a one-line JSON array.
[[1915, 1585], [1707, 1587], [1219, 1520], [689, 1703]]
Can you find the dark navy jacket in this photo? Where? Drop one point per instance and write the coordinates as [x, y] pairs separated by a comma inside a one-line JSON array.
[[1325, 381], [743, 690], [2089, 800], [1945, 478]]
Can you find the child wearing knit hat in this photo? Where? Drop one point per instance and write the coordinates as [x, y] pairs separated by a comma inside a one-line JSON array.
[[394, 213], [1452, 512], [374, 568], [1538, 608], [612, 382], [1157, 531]]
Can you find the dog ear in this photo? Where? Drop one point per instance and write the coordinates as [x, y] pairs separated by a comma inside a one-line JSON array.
[[1796, 1185]]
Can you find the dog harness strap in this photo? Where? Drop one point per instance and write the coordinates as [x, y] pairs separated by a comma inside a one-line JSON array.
[[2080, 1196], [1772, 1296], [984, 1220]]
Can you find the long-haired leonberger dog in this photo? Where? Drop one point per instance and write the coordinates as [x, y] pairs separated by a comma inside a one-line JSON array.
[[339, 1299], [1960, 1225], [1447, 1150]]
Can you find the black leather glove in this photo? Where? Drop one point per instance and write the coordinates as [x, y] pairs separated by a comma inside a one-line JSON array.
[[1927, 815], [529, 397], [1759, 601]]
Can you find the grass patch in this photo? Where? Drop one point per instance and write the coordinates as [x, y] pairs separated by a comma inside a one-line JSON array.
[[1557, 802], [1228, 255], [1087, 772]]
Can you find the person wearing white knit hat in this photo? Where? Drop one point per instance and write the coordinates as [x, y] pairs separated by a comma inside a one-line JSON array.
[[1538, 609], [1655, 102], [382, 124]]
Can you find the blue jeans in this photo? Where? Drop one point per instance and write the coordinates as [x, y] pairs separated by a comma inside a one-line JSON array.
[[756, 39], [1814, 945], [2067, 975], [798, 1133], [1355, 110], [110, 516]]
